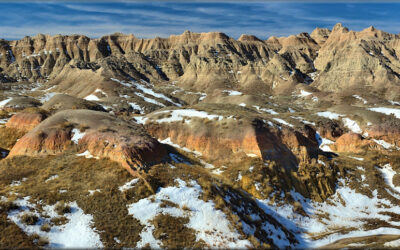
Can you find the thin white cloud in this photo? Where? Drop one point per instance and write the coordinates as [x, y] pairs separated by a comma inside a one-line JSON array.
[[262, 19]]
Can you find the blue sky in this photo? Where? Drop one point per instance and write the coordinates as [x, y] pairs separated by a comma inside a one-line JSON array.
[[150, 19]]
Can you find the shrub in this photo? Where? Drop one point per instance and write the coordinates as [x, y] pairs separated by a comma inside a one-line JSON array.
[[29, 219], [45, 227], [62, 208]]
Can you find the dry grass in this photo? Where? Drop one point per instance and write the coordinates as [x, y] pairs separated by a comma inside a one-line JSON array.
[[8, 137], [29, 219], [12, 235], [77, 175], [62, 208], [173, 233]]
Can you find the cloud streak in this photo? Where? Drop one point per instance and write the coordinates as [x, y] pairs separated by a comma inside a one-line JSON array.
[[149, 19]]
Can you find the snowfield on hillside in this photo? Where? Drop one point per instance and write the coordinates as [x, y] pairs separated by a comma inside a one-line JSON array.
[[210, 224], [76, 233]]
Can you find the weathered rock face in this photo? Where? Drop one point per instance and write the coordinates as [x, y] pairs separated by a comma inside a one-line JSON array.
[[350, 142], [351, 60], [331, 60], [25, 122], [330, 130], [104, 136], [231, 139]]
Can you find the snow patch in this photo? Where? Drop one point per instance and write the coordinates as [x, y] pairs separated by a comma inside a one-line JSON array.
[[76, 233], [360, 98], [4, 102], [356, 158], [388, 173], [210, 224], [150, 100], [323, 142], [330, 115], [129, 185], [345, 209], [92, 98], [352, 125], [51, 178], [77, 135], [393, 243], [177, 115], [232, 92], [387, 111], [283, 122], [136, 107], [88, 155], [385, 144], [304, 93]]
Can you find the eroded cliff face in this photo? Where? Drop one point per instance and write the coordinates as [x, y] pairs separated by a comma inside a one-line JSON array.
[[24, 121], [239, 138], [334, 60], [95, 134], [232, 138]]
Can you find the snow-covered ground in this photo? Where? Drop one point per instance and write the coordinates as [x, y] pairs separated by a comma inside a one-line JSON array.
[[46, 97], [388, 174], [326, 220], [92, 97], [351, 125], [137, 107], [180, 114], [232, 92], [303, 120], [4, 102], [385, 144], [304, 93], [210, 224], [150, 91], [149, 100], [270, 111], [76, 233], [130, 184], [360, 98], [77, 135], [87, 155], [323, 142], [283, 122], [387, 111], [147, 90], [330, 115]]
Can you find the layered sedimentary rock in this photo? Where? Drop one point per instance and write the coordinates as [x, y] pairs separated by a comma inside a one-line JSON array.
[[232, 138], [228, 140], [98, 133], [24, 121], [334, 60]]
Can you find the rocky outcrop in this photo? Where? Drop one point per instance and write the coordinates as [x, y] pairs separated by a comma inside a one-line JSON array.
[[25, 121], [330, 60], [232, 139], [96, 133], [330, 129], [350, 142], [354, 60]]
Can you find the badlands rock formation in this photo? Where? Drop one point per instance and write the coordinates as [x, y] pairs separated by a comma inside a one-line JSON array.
[[288, 142], [334, 60], [96, 134]]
